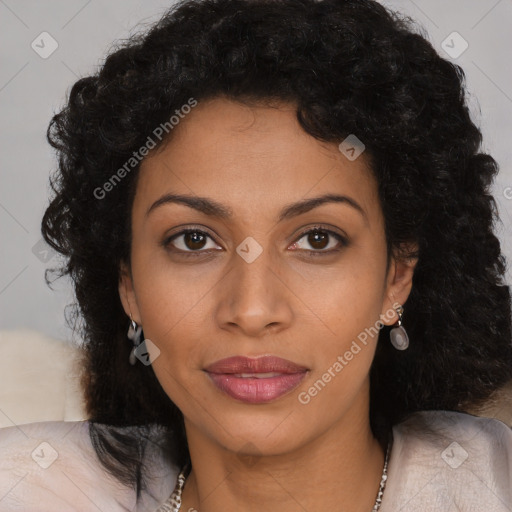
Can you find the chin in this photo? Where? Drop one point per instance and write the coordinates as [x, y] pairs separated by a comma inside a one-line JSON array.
[[258, 432]]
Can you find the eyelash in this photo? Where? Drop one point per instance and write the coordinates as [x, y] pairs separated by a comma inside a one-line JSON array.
[[313, 253]]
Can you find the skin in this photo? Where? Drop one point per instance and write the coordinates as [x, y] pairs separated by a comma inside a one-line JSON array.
[[283, 455]]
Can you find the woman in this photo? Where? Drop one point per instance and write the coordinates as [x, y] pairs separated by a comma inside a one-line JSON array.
[[277, 219]]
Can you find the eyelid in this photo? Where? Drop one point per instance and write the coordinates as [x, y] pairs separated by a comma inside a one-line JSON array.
[[188, 228], [321, 227]]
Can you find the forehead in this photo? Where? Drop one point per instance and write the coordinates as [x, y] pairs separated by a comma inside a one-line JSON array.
[[251, 156]]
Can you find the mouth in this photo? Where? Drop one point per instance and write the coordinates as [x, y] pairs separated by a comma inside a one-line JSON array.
[[257, 380]]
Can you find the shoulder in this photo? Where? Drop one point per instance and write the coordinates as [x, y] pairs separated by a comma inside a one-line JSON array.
[[53, 464], [444, 460]]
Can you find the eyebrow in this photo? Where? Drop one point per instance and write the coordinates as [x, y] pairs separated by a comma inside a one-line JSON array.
[[214, 209]]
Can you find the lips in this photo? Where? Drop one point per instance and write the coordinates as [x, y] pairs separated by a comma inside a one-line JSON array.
[[265, 364], [255, 380]]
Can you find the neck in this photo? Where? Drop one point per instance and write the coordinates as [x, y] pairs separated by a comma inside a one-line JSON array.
[[341, 468]]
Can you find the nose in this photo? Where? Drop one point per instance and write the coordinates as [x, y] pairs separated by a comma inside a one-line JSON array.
[[255, 300]]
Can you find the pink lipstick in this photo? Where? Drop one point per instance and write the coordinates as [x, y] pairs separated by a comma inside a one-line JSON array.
[[256, 380]]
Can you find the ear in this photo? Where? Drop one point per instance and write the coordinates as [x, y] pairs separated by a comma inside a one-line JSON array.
[[127, 293], [398, 284]]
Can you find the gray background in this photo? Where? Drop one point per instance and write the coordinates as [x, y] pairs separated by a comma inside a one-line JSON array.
[[32, 89]]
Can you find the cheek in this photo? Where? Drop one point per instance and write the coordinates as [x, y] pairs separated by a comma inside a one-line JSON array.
[[174, 322], [173, 307], [348, 297], [350, 308], [349, 304], [170, 297]]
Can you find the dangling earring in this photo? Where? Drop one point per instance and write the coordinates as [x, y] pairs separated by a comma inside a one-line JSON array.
[[398, 334], [134, 334]]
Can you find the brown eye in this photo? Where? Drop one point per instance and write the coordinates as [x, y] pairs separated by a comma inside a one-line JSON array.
[[190, 241], [320, 240], [194, 240]]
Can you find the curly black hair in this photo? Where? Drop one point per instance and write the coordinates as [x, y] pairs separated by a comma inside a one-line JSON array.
[[350, 67]]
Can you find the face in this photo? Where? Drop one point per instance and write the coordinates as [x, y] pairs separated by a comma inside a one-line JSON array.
[[244, 265]]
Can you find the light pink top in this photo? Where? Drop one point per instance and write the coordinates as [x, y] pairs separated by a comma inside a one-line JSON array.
[[440, 461]]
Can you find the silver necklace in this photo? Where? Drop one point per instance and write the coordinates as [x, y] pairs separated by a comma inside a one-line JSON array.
[[173, 502]]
